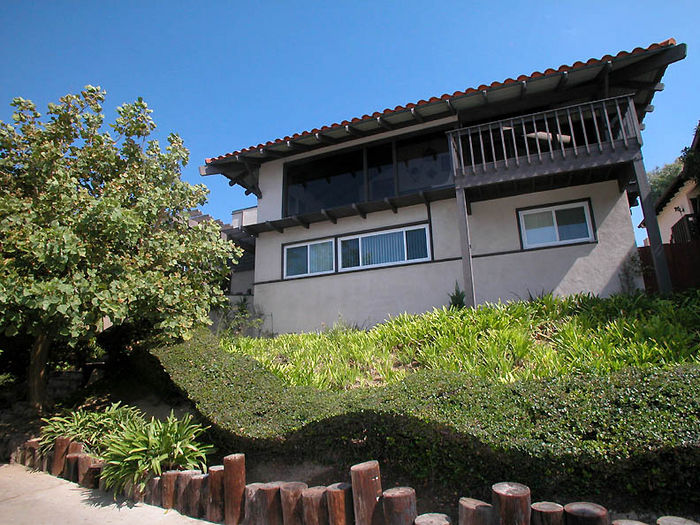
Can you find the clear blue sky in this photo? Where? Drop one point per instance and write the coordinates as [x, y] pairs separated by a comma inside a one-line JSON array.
[[228, 75]]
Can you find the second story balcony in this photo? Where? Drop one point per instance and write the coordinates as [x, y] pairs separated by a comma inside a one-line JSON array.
[[564, 140]]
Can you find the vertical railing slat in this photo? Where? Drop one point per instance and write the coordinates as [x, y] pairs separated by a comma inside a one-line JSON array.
[[604, 106], [560, 136], [571, 131], [585, 133]]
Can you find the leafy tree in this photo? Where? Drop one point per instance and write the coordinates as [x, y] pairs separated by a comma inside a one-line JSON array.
[[660, 178], [94, 224]]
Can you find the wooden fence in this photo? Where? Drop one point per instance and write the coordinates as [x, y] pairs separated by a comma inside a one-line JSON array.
[[222, 496], [683, 265]]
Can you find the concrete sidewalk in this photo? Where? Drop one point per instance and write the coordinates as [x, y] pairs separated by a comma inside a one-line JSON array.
[[37, 498]]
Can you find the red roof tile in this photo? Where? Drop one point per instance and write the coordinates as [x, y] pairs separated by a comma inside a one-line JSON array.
[[483, 87]]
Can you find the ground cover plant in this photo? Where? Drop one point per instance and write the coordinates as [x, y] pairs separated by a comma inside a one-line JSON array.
[[594, 399], [519, 340]]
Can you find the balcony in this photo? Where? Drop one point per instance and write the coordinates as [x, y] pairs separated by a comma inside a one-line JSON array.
[[568, 139]]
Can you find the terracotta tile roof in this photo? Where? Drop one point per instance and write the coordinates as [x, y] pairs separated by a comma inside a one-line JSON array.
[[446, 96]]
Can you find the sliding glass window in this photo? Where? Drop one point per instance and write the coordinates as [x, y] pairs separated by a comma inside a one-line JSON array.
[[309, 258], [384, 248]]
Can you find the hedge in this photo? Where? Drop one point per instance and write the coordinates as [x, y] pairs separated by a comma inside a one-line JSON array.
[[629, 438]]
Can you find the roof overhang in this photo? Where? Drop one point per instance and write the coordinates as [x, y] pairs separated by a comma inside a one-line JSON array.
[[638, 73]]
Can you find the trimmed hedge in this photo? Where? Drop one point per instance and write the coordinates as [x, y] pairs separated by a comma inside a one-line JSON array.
[[628, 438]]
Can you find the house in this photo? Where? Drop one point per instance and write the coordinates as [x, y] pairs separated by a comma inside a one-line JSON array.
[[678, 208], [511, 189]]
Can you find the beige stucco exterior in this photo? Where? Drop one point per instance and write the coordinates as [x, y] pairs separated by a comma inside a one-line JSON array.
[[367, 297], [680, 201]]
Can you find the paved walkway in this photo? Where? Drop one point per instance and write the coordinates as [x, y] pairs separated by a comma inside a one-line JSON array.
[[37, 498]]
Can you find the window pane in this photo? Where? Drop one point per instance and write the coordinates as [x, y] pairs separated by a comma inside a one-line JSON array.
[[571, 223], [296, 261], [423, 163], [539, 228], [321, 257], [328, 182], [416, 244], [380, 172], [350, 253], [382, 248]]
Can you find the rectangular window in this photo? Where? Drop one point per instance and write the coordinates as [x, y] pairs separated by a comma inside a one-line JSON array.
[[384, 248], [556, 225], [308, 259]]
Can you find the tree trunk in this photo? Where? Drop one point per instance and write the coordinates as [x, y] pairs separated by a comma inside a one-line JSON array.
[[37, 371]]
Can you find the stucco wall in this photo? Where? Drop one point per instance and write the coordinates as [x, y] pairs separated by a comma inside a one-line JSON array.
[[669, 216], [367, 297], [242, 282]]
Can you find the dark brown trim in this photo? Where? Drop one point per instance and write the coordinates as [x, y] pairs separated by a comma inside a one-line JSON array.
[[430, 231], [548, 205], [369, 269], [509, 252]]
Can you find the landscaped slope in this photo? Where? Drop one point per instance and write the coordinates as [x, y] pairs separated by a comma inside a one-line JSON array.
[[630, 435]]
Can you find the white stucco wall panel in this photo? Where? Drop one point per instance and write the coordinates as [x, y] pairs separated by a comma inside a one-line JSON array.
[[670, 216], [361, 298], [445, 234]]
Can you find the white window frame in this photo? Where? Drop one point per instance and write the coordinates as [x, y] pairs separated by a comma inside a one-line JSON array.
[[552, 209], [308, 266], [405, 260]]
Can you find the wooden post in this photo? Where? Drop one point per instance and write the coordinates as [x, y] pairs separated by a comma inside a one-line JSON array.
[[234, 488], [632, 522], [215, 494], [339, 500], [60, 449], [547, 513], [262, 504], [153, 494], [433, 518], [511, 503], [84, 462], [465, 244], [183, 480], [674, 520], [32, 459], [366, 493], [399, 506], [658, 255], [167, 488], [292, 506], [196, 496], [75, 448], [475, 512], [91, 479], [71, 470], [315, 506], [583, 513]]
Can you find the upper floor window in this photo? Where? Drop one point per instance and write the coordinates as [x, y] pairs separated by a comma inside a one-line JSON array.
[[309, 258], [556, 225], [373, 172]]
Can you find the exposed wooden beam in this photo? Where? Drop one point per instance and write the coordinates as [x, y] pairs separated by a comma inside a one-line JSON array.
[[639, 84], [485, 95], [274, 226], [295, 146], [267, 152], [384, 124], [391, 204], [649, 108], [300, 221], [325, 139], [416, 115], [362, 213], [563, 80], [660, 59], [350, 130], [328, 216], [450, 107], [523, 89], [424, 197]]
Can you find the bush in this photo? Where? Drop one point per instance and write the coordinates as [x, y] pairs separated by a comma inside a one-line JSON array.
[[632, 433], [142, 450]]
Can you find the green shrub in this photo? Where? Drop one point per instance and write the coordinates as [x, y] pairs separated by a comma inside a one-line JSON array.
[[91, 428], [632, 433], [140, 451], [545, 337]]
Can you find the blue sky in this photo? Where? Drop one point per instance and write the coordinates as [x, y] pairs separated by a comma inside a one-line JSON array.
[[228, 75]]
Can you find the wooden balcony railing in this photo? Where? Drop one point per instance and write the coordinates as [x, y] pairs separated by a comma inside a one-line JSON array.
[[560, 140]]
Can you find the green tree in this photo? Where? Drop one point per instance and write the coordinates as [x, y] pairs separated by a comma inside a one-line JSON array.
[[660, 178], [93, 224]]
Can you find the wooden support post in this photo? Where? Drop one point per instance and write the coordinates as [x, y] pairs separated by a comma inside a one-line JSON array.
[[292, 507], [92, 476], [475, 512], [663, 277], [60, 449], [75, 448], [547, 513], [46, 460], [366, 493], [315, 506], [84, 462], [433, 518], [196, 496], [262, 504], [167, 488], [32, 459], [339, 500], [583, 513], [153, 492], [234, 488], [71, 470], [399, 506], [215, 499], [181, 485], [511, 503], [465, 245]]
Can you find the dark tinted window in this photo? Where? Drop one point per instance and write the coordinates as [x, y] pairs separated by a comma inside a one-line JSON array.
[[380, 172], [423, 163]]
